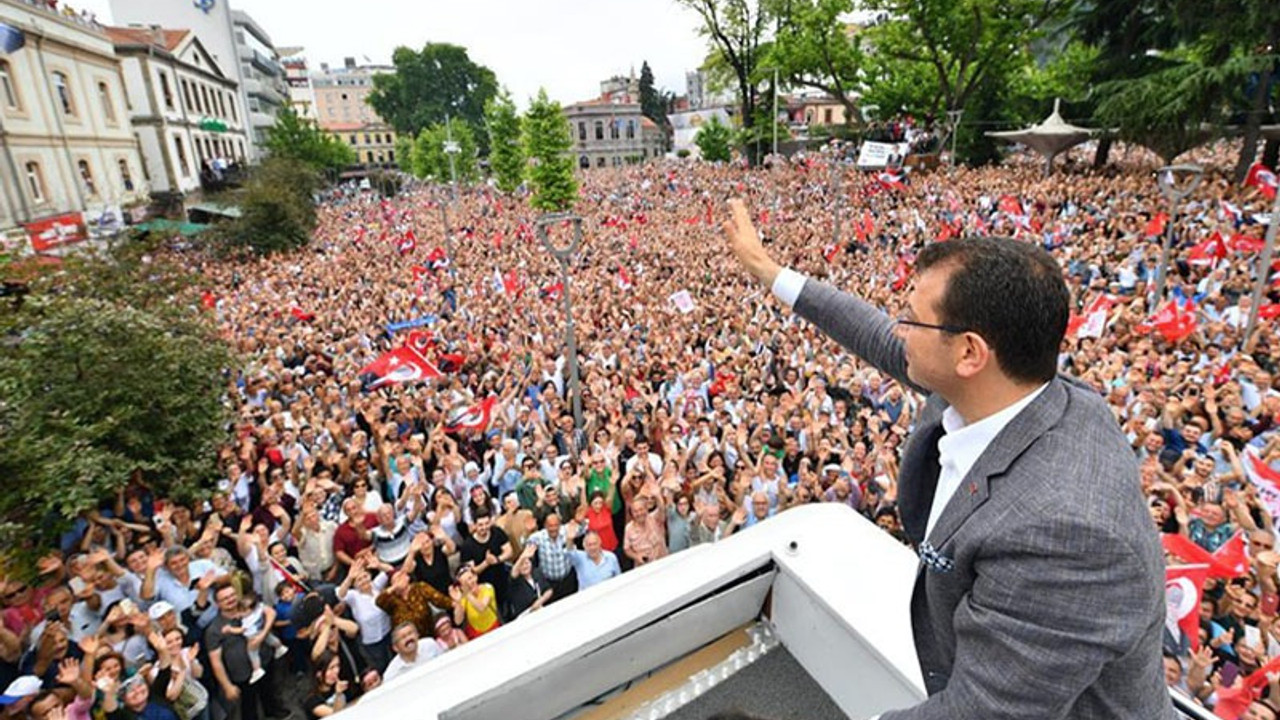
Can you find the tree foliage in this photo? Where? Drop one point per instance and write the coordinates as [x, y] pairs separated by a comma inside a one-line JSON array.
[[109, 375], [653, 104], [277, 210], [713, 140], [429, 159], [293, 137], [429, 84], [814, 48], [547, 143], [506, 150], [957, 43], [738, 32]]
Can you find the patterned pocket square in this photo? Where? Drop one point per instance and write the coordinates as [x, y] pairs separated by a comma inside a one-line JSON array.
[[935, 560]]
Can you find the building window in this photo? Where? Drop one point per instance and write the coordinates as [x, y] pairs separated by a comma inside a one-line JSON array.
[[582, 130], [86, 176], [183, 165], [353, 140], [613, 129], [104, 94], [370, 156], [35, 181], [186, 95], [617, 161], [599, 160], [231, 105], [204, 100], [165, 91], [64, 93], [222, 105], [584, 162], [826, 116], [6, 85], [391, 156], [125, 176], [366, 138], [631, 129]]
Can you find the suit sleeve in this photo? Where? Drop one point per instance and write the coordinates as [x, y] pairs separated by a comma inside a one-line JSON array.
[[857, 325], [1040, 624]]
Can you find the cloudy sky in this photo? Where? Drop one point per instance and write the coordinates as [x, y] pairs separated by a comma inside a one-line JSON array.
[[567, 46]]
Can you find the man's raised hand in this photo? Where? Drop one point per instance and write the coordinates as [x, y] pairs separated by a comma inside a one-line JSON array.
[[745, 243]]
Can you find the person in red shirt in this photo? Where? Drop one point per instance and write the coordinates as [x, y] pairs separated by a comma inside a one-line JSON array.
[[353, 535], [599, 517]]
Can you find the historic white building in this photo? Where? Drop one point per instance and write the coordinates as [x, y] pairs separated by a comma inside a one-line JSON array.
[[185, 111], [66, 144]]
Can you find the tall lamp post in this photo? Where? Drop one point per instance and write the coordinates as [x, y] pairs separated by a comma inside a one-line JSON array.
[[565, 253], [836, 172], [451, 148], [1176, 183], [1264, 270], [953, 117]]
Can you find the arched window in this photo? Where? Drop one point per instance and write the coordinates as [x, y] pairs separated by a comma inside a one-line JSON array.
[[584, 162], [125, 176], [63, 89], [35, 181], [86, 177], [108, 108]]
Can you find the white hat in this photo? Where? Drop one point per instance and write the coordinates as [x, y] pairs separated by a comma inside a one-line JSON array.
[[159, 610], [24, 687]]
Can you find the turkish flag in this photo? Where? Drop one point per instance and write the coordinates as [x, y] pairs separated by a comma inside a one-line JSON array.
[[420, 340], [1010, 205], [1244, 244], [407, 243], [475, 417], [208, 300], [301, 315], [1174, 322], [1227, 562], [892, 181], [901, 273], [437, 259], [1208, 252], [402, 365], [1155, 226], [1094, 319], [1183, 588], [624, 280], [511, 284], [1262, 178], [552, 292], [829, 251], [450, 362]]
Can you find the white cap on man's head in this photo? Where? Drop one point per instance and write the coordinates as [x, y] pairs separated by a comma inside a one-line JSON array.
[[24, 687]]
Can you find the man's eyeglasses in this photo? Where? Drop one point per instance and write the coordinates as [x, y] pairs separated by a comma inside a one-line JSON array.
[[953, 329]]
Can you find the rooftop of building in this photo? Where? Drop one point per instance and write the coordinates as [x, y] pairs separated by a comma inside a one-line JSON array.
[[163, 38]]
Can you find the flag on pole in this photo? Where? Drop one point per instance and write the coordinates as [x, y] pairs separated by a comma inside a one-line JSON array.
[[1228, 561], [437, 259], [1094, 320], [1208, 252], [552, 292], [1242, 243], [401, 365], [1265, 478], [407, 243], [829, 251], [1156, 225], [1263, 180], [1183, 589], [891, 181], [475, 417]]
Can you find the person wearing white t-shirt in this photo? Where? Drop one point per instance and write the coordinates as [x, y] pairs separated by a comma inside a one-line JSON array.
[[360, 593]]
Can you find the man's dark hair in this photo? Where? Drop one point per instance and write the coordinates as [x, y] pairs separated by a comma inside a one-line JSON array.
[[1012, 294]]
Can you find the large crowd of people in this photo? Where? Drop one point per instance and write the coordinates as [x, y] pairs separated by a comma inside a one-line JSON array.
[[363, 528]]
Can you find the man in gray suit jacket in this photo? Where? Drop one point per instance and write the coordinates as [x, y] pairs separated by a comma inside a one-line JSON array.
[[1040, 591]]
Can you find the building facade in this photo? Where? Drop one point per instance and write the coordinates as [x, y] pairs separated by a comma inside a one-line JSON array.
[[611, 134], [66, 144], [302, 98], [261, 75], [235, 42], [185, 111], [342, 109]]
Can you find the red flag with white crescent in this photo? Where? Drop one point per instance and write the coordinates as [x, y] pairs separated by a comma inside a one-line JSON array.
[[1183, 589], [475, 417]]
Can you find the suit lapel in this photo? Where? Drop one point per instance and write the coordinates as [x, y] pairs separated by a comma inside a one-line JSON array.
[[1011, 442]]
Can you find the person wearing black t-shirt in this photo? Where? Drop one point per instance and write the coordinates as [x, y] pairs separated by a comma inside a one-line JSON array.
[[489, 550], [430, 564]]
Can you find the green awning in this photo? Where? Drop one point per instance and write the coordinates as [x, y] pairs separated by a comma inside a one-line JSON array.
[[213, 125], [161, 225], [230, 211]]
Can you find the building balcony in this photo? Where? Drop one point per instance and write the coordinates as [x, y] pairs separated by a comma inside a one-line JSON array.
[[264, 91], [260, 61]]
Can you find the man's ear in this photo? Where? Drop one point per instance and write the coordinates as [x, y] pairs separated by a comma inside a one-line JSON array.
[[975, 355]]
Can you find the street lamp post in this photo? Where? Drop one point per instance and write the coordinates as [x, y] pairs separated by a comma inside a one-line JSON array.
[[953, 116], [565, 253], [448, 236], [451, 148], [836, 173], [1264, 270], [1176, 183]]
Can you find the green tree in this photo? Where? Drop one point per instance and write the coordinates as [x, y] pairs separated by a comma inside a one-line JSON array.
[[404, 153], [506, 150], [94, 393], [653, 104], [958, 42], [295, 138], [738, 33], [713, 140], [547, 143], [430, 160], [814, 48], [277, 210], [431, 84]]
